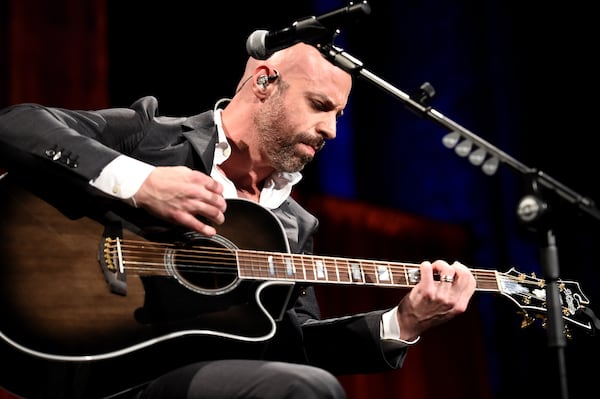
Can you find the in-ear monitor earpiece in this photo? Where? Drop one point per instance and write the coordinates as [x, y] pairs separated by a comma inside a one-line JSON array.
[[264, 80]]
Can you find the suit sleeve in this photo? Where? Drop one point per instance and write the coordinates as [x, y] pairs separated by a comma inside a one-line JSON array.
[[79, 143], [342, 345]]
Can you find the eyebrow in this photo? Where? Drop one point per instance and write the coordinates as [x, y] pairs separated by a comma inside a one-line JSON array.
[[326, 101]]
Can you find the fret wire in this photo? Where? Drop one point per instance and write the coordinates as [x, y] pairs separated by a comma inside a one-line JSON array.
[[329, 268], [349, 270], [341, 269], [291, 269], [376, 270], [379, 267], [274, 265], [356, 271], [362, 271], [321, 269], [269, 262], [375, 277], [280, 266], [292, 265], [280, 260], [255, 264], [303, 267], [390, 274], [398, 276], [366, 271]]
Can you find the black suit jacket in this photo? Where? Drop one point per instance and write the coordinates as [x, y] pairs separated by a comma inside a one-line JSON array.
[[56, 152]]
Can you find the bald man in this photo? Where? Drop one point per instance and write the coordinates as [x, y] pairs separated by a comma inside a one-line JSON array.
[[182, 171]]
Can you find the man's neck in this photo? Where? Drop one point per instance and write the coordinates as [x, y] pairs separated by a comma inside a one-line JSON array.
[[246, 179]]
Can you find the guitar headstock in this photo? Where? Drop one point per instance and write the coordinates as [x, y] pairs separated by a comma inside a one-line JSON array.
[[529, 293]]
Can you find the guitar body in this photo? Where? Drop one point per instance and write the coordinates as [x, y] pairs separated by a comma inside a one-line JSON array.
[[62, 318]]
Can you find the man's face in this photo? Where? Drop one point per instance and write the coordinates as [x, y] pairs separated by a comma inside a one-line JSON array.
[[286, 141], [300, 114]]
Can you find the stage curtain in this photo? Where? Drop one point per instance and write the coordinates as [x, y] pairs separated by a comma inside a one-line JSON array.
[[55, 53]]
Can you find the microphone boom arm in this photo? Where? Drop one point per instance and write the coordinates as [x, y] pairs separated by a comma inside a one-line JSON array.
[[529, 209], [350, 64]]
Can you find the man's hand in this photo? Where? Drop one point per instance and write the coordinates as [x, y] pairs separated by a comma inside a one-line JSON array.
[[179, 194], [432, 302]]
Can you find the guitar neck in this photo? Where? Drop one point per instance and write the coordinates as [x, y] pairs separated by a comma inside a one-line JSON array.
[[261, 265], [144, 257]]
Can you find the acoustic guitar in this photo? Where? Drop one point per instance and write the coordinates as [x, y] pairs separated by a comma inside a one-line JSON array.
[[76, 293]]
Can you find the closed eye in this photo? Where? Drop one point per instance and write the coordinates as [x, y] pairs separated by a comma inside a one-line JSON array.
[[326, 106]]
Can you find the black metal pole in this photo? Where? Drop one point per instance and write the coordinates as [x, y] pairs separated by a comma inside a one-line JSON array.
[[548, 249]]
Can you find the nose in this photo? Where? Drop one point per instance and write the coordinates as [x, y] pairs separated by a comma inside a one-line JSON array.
[[327, 129]]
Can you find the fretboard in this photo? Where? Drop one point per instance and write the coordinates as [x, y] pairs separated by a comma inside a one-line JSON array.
[[259, 265]]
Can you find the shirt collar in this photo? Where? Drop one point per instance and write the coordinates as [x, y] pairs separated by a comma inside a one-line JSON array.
[[222, 148], [276, 188]]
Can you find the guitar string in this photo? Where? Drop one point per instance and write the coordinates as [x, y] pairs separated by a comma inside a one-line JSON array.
[[182, 256], [142, 256], [188, 260], [222, 257], [485, 278]]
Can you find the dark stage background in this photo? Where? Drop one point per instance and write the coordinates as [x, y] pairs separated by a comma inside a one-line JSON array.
[[521, 76]]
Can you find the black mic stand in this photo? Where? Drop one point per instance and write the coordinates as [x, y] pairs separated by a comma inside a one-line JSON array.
[[532, 209]]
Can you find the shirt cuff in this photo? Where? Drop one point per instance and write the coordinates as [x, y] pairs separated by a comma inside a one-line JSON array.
[[122, 177], [390, 329]]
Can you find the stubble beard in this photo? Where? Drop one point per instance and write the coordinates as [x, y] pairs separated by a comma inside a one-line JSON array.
[[278, 143]]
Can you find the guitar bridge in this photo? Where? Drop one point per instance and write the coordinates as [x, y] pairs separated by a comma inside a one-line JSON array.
[[111, 261]]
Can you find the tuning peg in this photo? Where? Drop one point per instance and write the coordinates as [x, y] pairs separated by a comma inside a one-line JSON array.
[[566, 330], [544, 321], [527, 320]]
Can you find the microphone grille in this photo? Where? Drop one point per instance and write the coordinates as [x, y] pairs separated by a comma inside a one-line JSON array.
[[255, 45]]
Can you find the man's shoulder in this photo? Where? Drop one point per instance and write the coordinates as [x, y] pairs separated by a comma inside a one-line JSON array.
[[149, 105], [301, 214]]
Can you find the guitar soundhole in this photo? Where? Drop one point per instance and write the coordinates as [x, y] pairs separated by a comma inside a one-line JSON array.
[[208, 265]]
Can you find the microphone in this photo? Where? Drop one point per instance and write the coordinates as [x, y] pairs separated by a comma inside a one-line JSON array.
[[261, 44]]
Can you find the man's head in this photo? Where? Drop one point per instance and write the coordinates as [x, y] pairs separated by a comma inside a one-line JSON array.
[[295, 98]]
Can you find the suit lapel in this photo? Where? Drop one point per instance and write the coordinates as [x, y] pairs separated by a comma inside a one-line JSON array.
[[203, 137]]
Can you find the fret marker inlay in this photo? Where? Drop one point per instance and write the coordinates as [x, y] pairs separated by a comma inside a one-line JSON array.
[[320, 269], [356, 272], [290, 269], [384, 273], [271, 265], [414, 275]]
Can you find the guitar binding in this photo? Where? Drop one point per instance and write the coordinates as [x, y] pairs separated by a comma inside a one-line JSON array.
[[589, 314]]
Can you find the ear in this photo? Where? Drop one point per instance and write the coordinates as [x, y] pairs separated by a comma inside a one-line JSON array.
[[263, 80]]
